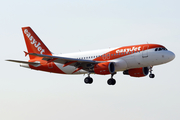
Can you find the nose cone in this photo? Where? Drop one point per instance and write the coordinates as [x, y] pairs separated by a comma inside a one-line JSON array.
[[171, 55]]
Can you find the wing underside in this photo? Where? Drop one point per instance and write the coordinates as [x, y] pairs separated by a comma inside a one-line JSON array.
[[78, 63]]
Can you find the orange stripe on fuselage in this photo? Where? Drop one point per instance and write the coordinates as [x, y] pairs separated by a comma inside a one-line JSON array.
[[124, 51]]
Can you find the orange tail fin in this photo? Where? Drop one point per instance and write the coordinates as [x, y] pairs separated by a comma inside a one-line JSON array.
[[34, 43]]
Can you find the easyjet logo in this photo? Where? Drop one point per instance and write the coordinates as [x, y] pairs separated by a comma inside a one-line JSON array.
[[129, 49], [36, 44]]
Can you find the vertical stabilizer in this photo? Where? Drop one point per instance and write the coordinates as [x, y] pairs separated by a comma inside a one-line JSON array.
[[34, 43]]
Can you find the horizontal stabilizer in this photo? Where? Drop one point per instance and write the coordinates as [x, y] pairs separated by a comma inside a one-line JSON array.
[[25, 62]]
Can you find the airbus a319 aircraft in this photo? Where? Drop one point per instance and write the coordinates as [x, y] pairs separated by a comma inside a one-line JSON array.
[[135, 60]]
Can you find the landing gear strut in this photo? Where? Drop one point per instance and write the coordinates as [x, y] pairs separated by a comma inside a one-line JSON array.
[[88, 80], [151, 75], [112, 81]]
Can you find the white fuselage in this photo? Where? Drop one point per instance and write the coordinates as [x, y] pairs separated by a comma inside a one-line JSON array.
[[136, 59]]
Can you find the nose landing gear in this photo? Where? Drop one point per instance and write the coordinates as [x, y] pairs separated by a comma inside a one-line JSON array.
[[151, 75]]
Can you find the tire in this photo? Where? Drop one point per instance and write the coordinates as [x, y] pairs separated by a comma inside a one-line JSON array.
[[88, 80], [111, 81], [151, 75]]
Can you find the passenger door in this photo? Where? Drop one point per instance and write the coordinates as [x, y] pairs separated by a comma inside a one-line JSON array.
[[145, 51]]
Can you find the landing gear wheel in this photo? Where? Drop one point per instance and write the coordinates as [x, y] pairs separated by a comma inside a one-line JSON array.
[[88, 80], [111, 81], [151, 75]]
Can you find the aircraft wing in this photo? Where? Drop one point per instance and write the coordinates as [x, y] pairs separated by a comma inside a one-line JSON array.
[[85, 64]]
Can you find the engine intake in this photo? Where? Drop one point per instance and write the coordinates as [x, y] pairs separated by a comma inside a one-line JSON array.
[[104, 68]]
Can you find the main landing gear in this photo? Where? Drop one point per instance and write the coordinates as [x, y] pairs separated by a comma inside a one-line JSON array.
[[151, 75], [88, 80], [111, 81]]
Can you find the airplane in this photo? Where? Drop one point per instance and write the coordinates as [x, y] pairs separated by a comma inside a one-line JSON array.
[[134, 60]]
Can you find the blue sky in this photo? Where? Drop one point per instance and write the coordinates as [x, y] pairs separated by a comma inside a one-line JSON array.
[[71, 26]]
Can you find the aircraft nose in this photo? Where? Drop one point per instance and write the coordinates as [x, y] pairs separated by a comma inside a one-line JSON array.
[[171, 55]]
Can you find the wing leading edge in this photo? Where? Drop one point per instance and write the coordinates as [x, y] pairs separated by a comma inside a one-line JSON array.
[[62, 60]]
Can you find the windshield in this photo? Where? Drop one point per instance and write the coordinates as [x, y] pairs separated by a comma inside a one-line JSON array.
[[160, 49]]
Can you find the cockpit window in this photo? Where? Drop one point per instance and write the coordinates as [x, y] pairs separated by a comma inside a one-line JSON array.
[[164, 48], [159, 49]]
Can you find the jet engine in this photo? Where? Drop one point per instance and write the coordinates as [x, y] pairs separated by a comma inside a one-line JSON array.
[[137, 72], [104, 68]]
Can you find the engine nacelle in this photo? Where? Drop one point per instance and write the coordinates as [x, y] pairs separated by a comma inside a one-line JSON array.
[[137, 72], [104, 68]]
